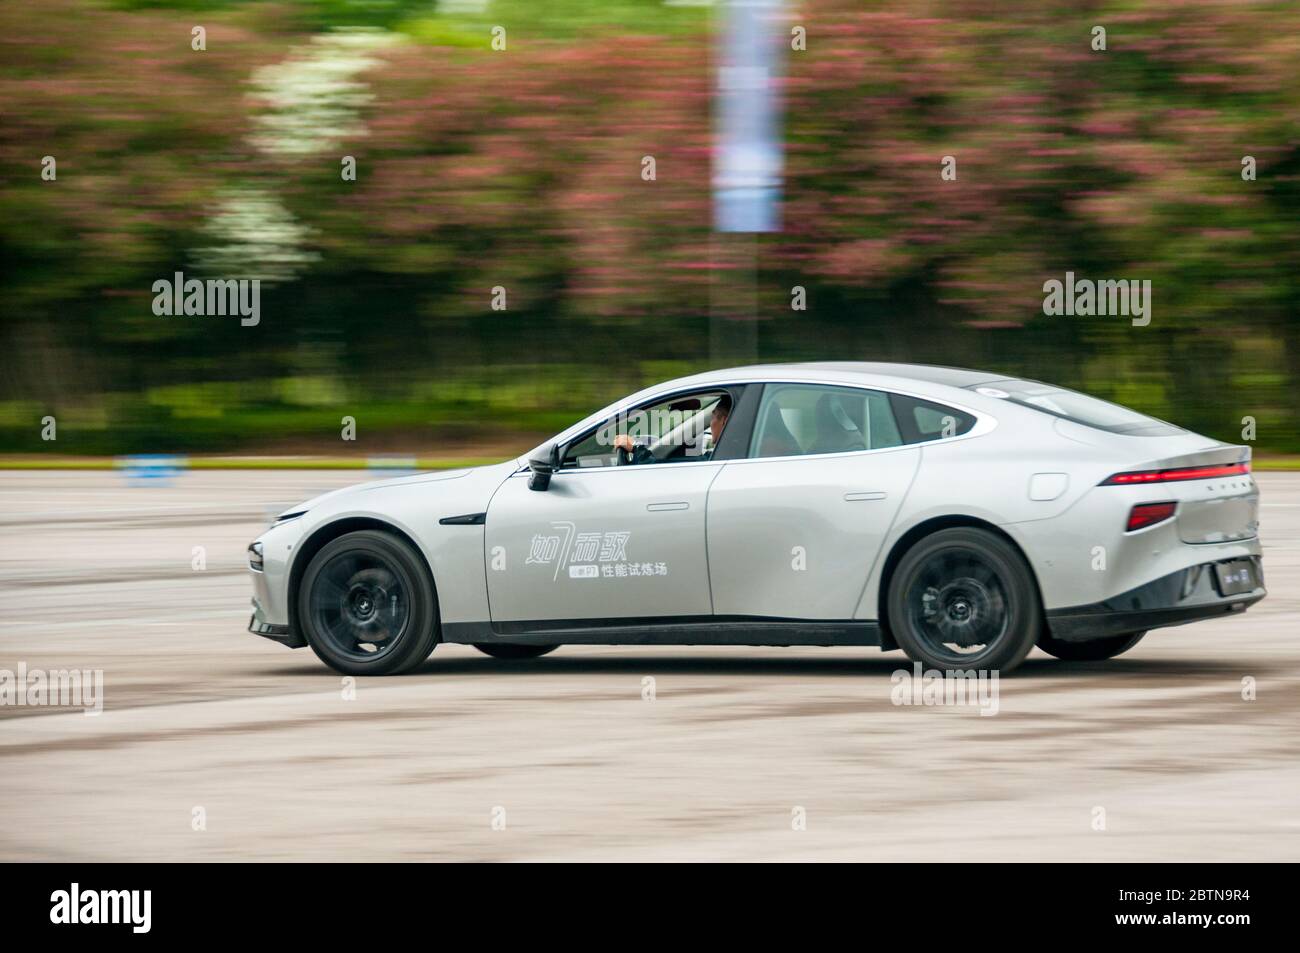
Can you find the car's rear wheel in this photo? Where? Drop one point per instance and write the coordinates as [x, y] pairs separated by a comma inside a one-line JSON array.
[[964, 598], [513, 650], [367, 606], [1094, 650]]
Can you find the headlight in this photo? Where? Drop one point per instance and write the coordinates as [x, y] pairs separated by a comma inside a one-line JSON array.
[[255, 557]]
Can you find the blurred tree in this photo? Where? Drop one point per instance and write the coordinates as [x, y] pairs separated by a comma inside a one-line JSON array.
[[521, 169]]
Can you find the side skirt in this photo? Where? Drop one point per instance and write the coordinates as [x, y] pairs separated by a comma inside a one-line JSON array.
[[675, 630]]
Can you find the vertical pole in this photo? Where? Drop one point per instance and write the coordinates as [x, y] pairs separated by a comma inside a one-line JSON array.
[[747, 172]]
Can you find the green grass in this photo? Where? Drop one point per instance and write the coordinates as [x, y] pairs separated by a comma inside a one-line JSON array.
[[423, 20], [1275, 463]]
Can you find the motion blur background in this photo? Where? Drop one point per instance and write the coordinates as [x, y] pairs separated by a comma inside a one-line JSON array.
[[479, 168]]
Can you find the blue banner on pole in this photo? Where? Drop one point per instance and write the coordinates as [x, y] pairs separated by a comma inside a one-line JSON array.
[[748, 163]]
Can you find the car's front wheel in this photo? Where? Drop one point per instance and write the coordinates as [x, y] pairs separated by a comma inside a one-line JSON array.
[[513, 650], [367, 606], [964, 598], [1094, 650]]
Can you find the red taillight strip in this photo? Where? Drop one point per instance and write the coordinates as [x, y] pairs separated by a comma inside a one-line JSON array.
[[1178, 473]]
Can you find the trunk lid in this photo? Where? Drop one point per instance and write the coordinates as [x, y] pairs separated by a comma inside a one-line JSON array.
[[1215, 509], [1211, 509]]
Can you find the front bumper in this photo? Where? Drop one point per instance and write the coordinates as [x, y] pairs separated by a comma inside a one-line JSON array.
[[1187, 595], [277, 633], [268, 570]]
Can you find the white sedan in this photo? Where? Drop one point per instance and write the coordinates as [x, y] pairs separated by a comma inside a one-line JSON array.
[[961, 516]]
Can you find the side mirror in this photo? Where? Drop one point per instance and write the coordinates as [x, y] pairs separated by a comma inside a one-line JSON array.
[[544, 466]]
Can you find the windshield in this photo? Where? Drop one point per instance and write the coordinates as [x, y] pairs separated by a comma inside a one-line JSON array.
[[1079, 408]]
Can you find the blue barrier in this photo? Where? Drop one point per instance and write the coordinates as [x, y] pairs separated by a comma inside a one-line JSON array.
[[155, 469]]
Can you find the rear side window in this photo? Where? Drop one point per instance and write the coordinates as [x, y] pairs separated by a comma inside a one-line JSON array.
[[922, 420], [1078, 408], [799, 419]]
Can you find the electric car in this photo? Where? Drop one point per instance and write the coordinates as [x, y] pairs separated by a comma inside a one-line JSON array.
[[963, 517]]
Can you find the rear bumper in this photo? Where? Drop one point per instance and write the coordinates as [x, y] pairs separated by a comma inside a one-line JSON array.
[[1188, 595]]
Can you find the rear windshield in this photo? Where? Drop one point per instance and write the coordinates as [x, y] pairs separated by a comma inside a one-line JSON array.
[[1079, 408]]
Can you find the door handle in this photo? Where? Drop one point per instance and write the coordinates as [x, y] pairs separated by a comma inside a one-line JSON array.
[[858, 497], [663, 507]]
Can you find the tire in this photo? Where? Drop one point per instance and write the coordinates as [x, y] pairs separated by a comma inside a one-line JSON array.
[[513, 650], [964, 598], [1094, 650], [368, 588]]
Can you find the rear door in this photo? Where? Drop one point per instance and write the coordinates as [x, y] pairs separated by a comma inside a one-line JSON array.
[[795, 528]]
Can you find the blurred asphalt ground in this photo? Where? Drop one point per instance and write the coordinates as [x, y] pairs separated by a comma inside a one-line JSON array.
[[96, 573]]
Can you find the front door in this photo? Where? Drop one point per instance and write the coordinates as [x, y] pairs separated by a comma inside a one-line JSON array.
[[617, 535]]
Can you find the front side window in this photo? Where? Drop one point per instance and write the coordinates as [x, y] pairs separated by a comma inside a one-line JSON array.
[[800, 419], [680, 429]]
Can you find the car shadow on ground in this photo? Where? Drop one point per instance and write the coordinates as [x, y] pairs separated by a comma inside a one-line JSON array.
[[831, 667]]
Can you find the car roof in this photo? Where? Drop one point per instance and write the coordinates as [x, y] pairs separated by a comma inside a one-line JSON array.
[[861, 370], [940, 383]]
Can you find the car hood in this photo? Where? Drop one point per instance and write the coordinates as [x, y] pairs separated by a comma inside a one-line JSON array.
[[435, 476]]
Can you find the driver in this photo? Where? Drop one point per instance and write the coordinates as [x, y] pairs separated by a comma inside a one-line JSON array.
[[632, 453]]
